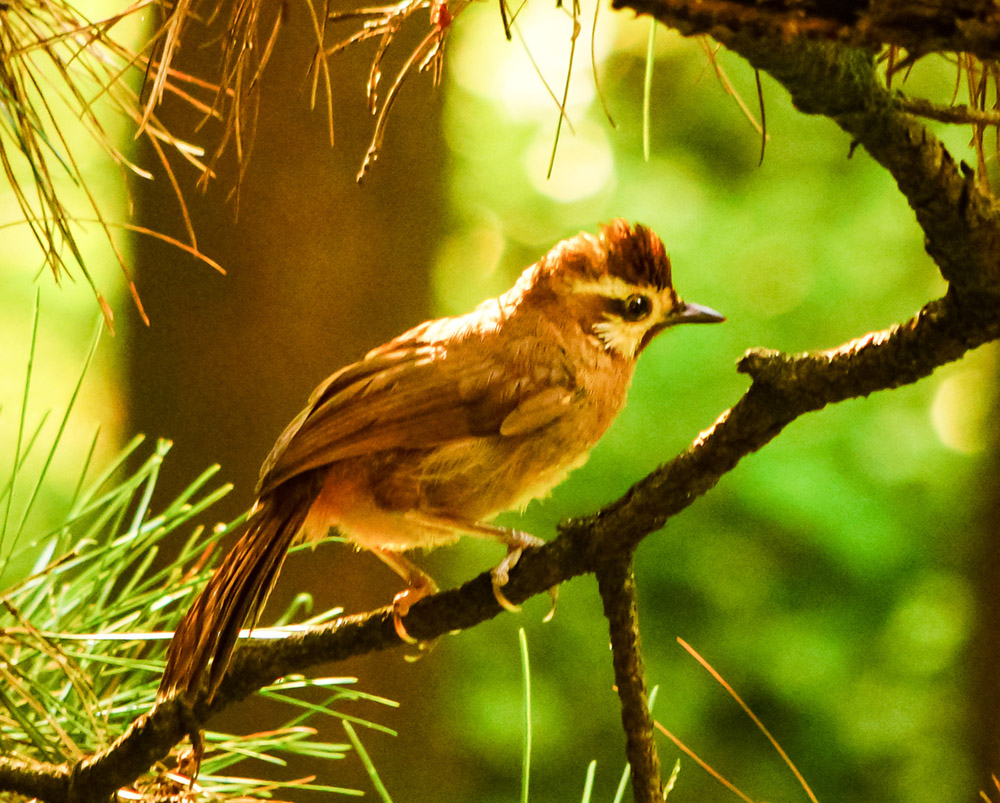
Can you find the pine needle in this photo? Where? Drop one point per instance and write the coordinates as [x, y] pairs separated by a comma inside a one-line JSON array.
[[756, 721], [588, 783], [84, 632], [526, 745], [20, 438], [367, 763], [569, 71], [60, 74], [647, 90]]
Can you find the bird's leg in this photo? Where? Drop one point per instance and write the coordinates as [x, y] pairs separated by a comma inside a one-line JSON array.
[[516, 542], [419, 584]]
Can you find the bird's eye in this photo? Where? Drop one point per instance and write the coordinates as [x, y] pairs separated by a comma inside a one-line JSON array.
[[637, 307]]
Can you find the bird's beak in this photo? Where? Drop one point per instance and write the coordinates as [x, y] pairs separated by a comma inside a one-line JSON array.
[[688, 312]]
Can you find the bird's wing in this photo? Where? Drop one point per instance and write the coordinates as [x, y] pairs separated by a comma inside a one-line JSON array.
[[418, 392]]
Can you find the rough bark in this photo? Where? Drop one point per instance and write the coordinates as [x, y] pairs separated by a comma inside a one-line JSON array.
[[961, 26]]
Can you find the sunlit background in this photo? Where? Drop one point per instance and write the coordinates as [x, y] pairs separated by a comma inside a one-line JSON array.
[[834, 579], [68, 322]]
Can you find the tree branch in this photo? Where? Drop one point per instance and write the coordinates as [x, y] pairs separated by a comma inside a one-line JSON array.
[[616, 583], [785, 387], [959, 26], [959, 114], [45, 781]]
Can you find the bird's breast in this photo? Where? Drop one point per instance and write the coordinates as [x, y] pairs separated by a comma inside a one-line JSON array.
[[477, 478]]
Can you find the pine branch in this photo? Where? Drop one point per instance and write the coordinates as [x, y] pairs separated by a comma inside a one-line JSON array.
[[48, 781], [960, 26]]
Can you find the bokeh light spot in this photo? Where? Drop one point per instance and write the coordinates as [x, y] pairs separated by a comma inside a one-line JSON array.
[[584, 164]]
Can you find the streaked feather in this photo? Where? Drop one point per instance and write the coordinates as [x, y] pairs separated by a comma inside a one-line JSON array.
[[207, 635]]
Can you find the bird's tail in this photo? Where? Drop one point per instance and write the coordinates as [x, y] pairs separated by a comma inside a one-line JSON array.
[[207, 634]]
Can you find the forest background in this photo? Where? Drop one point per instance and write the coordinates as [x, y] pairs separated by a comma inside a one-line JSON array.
[[842, 579]]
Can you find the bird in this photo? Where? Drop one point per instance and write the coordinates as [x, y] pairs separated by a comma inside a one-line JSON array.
[[432, 434]]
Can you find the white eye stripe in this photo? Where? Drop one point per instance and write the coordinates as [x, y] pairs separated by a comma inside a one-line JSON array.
[[612, 287]]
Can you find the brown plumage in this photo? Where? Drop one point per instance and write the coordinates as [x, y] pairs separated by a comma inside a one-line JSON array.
[[434, 433]]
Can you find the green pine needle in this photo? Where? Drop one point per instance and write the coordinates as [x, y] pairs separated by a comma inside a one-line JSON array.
[[84, 628], [20, 437], [647, 90], [588, 784], [367, 762], [526, 752]]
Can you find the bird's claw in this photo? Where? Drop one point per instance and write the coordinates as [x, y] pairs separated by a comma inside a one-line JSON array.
[[501, 573], [501, 598], [402, 603], [554, 593]]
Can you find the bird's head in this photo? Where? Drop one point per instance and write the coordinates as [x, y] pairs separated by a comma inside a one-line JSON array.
[[617, 286]]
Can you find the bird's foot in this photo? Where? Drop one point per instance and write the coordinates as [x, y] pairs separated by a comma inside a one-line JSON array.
[[517, 543], [423, 586]]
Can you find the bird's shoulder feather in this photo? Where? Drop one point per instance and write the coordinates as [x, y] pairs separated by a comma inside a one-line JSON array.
[[442, 381]]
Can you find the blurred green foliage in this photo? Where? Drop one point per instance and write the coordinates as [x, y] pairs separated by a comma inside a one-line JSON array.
[[828, 577]]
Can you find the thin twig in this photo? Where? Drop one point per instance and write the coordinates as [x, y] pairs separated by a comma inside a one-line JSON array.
[[616, 583], [960, 114]]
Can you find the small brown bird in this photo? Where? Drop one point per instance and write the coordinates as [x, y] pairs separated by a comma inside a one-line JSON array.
[[434, 433]]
